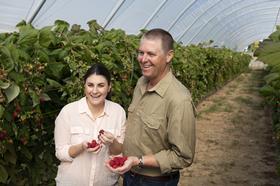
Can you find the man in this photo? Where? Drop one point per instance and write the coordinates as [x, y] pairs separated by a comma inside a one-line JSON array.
[[160, 134]]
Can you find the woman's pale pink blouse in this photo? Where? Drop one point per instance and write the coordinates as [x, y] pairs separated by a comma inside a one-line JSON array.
[[75, 124]]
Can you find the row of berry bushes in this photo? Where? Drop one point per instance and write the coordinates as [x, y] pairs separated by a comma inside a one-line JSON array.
[[41, 70], [206, 69], [269, 53]]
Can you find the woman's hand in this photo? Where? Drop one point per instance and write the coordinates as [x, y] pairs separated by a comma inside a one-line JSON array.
[[106, 137], [95, 149]]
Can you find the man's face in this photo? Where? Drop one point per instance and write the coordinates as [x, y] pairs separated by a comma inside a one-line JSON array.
[[153, 60]]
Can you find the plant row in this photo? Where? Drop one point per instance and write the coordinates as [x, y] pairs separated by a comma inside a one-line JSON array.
[[269, 53], [41, 70]]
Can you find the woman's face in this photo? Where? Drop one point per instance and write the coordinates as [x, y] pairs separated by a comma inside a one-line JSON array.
[[96, 89]]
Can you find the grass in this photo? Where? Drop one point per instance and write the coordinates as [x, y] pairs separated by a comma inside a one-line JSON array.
[[219, 105], [244, 100]]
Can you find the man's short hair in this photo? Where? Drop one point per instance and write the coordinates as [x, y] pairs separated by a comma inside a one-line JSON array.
[[165, 37]]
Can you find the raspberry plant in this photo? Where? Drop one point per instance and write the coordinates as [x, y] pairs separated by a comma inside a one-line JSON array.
[[41, 70]]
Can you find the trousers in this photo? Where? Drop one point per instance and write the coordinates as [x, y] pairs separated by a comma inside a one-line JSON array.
[[132, 179]]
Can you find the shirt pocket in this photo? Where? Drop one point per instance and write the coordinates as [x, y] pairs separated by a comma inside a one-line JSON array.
[[153, 132], [152, 122], [78, 134]]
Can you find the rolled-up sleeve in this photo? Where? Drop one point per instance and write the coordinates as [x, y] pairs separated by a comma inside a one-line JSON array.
[[181, 137], [62, 138]]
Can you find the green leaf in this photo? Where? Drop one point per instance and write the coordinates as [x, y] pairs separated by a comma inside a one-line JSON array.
[[26, 153], [45, 97], [23, 55], [35, 98], [12, 92], [10, 155], [53, 83], [271, 77], [17, 77], [5, 51], [55, 70], [20, 24], [61, 26], [4, 85], [43, 55], [27, 36], [2, 109], [14, 53], [76, 28], [94, 26], [267, 91], [276, 68], [46, 36], [3, 174], [9, 62], [59, 53]]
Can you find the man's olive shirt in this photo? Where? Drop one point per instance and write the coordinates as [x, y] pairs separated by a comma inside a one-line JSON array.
[[161, 121]]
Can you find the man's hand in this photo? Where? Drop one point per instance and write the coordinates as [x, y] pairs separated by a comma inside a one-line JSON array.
[[130, 162]]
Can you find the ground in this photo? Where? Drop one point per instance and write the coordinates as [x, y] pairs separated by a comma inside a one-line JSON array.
[[235, 143]]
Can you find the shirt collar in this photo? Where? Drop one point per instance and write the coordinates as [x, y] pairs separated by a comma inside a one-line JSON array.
[[160, 87], [83, 107]]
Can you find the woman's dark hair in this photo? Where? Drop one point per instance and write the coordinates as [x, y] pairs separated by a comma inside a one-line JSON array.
[[99, 69]]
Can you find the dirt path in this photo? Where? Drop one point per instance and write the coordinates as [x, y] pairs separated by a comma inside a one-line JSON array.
[[234, 138]]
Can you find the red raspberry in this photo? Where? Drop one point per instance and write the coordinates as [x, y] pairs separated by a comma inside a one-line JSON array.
[[15, 115], [101, 131], [92, 144], [117, 161], [3, 135], [18, 109]]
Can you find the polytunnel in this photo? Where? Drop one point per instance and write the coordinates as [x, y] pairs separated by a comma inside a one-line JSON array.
[[231, 23], [86, 99]]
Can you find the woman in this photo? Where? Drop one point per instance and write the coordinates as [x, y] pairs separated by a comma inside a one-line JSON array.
[[82, 121]]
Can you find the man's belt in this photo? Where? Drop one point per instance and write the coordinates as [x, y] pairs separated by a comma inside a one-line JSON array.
[[165, 177]]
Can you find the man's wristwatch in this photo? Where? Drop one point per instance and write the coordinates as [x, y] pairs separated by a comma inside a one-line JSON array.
[[141, 161]]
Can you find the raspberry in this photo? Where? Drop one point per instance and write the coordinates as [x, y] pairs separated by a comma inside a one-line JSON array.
[[92, 144], [117, 161], [101, 131], [3, 135], [15, 115]]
